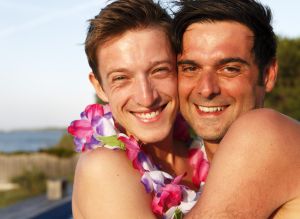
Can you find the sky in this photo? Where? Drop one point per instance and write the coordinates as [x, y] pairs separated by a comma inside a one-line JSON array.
[[43, 67]]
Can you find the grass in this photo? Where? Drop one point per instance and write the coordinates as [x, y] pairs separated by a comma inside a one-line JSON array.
[[13, 196], [31, 183]]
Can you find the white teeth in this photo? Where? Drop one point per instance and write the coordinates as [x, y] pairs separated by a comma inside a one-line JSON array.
[[210, 109], [149, 115]]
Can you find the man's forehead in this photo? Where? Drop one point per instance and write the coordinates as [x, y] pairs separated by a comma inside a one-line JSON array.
[[217, 39]]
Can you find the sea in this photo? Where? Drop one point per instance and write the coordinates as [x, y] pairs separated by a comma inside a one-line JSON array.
[[29, 140]]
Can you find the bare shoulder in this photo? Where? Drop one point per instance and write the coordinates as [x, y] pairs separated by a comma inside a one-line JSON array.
[[266, 125], [270, 138], [265, 117], [256, 167], [107, 186], [102, 162]]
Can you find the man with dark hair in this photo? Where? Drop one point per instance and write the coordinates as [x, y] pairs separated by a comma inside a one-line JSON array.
[[226, 62]]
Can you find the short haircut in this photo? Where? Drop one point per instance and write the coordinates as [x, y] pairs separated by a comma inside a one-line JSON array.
[[121, 16], [247, 12]]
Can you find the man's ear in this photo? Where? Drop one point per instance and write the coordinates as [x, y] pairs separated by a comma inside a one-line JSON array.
[[98, 88], [271, 75]]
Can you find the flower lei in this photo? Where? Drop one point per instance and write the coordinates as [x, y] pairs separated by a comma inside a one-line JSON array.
[[96, 128]]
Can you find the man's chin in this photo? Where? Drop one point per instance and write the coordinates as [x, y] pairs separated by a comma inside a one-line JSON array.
[[152, 136], [211, 135]]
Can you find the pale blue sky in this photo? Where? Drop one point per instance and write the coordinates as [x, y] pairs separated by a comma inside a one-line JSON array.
[[43, 68]]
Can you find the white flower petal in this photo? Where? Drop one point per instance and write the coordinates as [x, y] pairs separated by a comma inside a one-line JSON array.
[[189, 195], [170, 213], [111, 147], [185, 207], [109, 128], [147, 164]]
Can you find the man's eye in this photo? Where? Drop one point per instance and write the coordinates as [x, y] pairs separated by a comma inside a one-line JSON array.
[[188, 68], [119, 78], [161, 69], [232, 69]]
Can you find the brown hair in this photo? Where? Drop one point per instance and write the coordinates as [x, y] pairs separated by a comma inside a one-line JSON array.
[[119, 17]]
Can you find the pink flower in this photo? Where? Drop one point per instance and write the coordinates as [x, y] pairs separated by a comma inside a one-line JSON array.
[[93, 123], [96, 128], [92, 111], [170, 196], [83, 132], [200, 166], [132, 150], [81, 129], [132, 147]]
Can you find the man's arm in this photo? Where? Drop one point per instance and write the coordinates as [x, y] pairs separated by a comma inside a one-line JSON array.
[[255, 170]]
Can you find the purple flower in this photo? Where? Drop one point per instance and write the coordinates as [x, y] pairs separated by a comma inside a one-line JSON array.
[[96, 121]]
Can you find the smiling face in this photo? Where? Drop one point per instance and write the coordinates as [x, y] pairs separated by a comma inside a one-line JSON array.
[[139, 80], [218, 77]]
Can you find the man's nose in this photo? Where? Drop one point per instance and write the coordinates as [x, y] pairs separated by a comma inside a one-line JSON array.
[[145, 93], [208, 85]]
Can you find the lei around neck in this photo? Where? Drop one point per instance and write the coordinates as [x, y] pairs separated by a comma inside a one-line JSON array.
[[96, 128]]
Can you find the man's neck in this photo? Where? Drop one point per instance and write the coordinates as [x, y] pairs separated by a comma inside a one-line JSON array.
[[169, 154], [162, 150], [210, 149]]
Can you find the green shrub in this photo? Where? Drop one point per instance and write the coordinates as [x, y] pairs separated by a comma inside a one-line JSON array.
[[66, 141], [64, 148], [32, 181], [58, 151], [285, 96]]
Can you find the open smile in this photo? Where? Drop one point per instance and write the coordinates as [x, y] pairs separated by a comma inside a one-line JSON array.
[[210, 110], [149, 116]]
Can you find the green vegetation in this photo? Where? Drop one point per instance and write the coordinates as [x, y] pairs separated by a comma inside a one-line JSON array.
[[285, 96], [11, 197], [14, 153], [66, 141], [64, 148], [30, 183], [59, 152]]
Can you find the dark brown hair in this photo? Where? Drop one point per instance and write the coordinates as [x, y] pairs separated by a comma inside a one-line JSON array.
[[247, 12]]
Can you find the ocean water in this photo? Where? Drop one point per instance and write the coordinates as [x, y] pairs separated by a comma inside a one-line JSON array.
[[29, 140]]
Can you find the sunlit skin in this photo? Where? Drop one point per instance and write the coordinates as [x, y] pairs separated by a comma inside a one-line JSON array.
[[139, 80], [218, 78]]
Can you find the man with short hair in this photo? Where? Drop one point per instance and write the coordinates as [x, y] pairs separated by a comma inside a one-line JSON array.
[[226, 62]]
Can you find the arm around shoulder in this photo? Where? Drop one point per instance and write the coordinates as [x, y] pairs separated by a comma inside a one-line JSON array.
[[107, 186], [255, 169]]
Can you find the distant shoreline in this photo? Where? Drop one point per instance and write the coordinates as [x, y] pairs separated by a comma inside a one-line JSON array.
[[30, 140], [35, 129]]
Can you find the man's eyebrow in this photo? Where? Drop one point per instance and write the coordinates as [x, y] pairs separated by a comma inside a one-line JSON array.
[[186, 62], [233, 59]]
